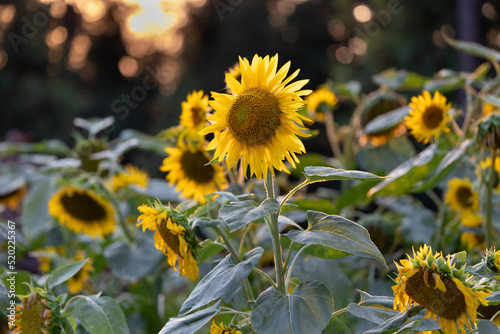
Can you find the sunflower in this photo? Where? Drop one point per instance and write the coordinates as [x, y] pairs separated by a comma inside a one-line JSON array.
[[221, 329], [485, 164], [497, 260], [374, 105], [173, 237], [36, 315], [432, 282], [188, 169], [12, 198], [461, 196], [45, 262], [488, 108], [194, 111], [471, 219], [488, 132], [428, 116], [259, 123], [81, 279], [319, 101], [82, 211], [235, 72], [471, 240], [131, 175]]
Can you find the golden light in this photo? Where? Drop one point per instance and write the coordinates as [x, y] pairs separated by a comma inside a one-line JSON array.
[[56, 36], [128, 66], [362, 13], [58, 9], [3, 59], [77, 57], [489, 11], [358, 46], [344, 55], [336, 29], [7, 13]]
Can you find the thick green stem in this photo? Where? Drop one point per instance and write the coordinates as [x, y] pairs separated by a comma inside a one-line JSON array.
[[488, 233], [290, 269], [272, 223]]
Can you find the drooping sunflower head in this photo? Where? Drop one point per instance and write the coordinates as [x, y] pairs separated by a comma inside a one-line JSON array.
[[488, 132], [173, 237], [81, 279], [82, 211], [320, 101], [431, 281], [461, 195], [484, 165], [373, 106], [131, 175], [194, 111], [492, 259], [188, 169], [12, 191], [235, 72], [428, 116], [37, 314], [222, 329], [84, 150], [259, 123]]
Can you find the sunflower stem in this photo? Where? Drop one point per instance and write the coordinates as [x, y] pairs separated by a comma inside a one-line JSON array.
[[339, 312], [275, 234], [266, 276], [292, 264], [332, 136], [121, 221], [488, 233]]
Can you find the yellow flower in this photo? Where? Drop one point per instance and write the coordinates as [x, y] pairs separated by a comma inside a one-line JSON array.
[[188, 170], [488, 108], [82, 277], [34, 315], [318, 100], [428, 116], [194, 111], [471, 240], [131, 175], [483, 165], [471, 219], [221, 329], [13, 198], [44, 262], [173, 237], [461, 196], [235, 72], [259, 124], [432, 282], [82, 211], [497, 260]]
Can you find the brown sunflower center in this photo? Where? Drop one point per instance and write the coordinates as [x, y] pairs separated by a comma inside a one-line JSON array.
[[83, 207], [254, 116], [432, 117], [464, 197], [195, 168], [170, 239], [196, 113], [35, 315], [449, 305]]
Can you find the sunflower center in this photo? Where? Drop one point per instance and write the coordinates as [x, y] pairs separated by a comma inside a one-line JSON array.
[[34, 315], [195, 168], [449, 305], [170, 239], [254, 116], [196, 116], [83, 207], [464, 197], [432, 117]]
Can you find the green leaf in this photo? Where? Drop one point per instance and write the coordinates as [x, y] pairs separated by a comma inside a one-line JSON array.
[[367, 299], [62, 274], [354, 195], [144, 141], [94, 125], [336, 327], [400, 79], [494, 298], [350, 89], [204, 223], [386, 121], [35, 213], [69, 326], [373, 313], [51, 146], [445, 166], [159, 188], [307, 310], [238, 214], [493, 99], [65, 163], [474, 49], [101, 315], [401, 179], [487, 327], [208, 248], [337, 233], [190, 323], [132, 262], [444, 85], [319, 251], [384, 158], [221, 280], [4, 299], [319, 174]]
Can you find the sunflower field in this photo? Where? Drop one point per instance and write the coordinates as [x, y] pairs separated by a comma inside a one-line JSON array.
[[393, 229]]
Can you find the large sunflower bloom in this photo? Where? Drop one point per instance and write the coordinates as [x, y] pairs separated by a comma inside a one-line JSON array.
[[194, 111], [188, 170], [173, 237], [221, 329], [428, 116], [81, 279], [82, 211], [259, 123], [432, 282], [131, 175], [318, 101]]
